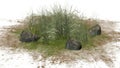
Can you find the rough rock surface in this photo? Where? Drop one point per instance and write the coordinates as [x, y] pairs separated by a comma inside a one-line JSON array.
[[27, 36], [95, 30], [73, 45]]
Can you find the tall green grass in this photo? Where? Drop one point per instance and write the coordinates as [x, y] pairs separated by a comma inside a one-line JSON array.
[[55, 27], [58, 24]]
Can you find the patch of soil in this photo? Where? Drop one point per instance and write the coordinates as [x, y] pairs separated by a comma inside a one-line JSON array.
[[9, 39]]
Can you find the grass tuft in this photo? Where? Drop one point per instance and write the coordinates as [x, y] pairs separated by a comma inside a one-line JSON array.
[[55, 27]]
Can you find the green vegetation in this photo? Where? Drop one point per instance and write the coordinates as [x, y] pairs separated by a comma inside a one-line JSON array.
[[55, 27]]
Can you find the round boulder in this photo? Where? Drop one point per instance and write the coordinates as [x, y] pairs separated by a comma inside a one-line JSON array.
[[73, 45], [27, 36], [95, 30]]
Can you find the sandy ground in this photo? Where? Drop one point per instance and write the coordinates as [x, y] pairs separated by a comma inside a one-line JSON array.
[[106, 56]]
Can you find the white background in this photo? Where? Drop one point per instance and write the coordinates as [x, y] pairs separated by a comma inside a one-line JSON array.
[[17, 9], [102, 9]]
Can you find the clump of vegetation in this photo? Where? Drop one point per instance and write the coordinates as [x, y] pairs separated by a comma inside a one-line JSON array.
[[55, 27], [58, 24]]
